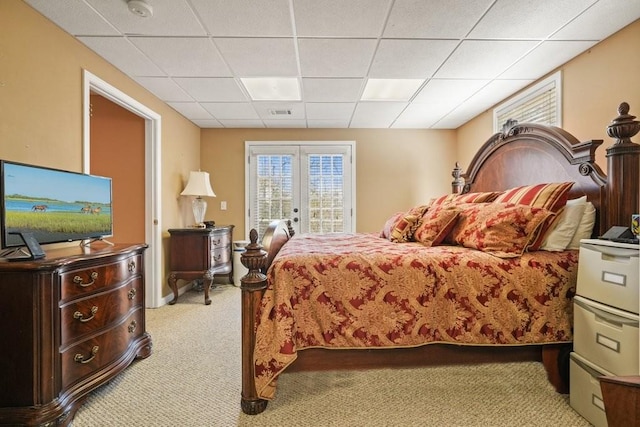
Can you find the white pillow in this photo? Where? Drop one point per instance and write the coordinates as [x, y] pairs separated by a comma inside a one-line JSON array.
[[585, 229], [565, 226]]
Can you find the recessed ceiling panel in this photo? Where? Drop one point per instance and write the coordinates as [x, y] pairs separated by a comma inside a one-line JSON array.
[[191, 110], [330, 110], [212, 89], [231, 110], [410, 59], [376, 114], [339, 18], [165, 88], [335, 57], [328, 90], [248, 57]]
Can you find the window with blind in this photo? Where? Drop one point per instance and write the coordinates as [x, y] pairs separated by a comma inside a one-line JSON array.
[[312, 184], [541, 103]]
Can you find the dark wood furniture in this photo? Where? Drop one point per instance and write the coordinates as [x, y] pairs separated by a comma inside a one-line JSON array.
[[621, 397], [200, 253], [525, 154], [70, 322]]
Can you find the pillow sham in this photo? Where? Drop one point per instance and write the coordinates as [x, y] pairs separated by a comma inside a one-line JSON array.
[[501, 229], [585, 229], [551, 196], [480, 197], [407, 224], [564, 227], [435, 224], [390, 224]]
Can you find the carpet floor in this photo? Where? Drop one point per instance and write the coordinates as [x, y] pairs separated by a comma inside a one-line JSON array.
[[193, 379]]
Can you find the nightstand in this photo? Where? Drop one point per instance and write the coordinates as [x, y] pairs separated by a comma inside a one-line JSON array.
[[200, 253], [605, 325]]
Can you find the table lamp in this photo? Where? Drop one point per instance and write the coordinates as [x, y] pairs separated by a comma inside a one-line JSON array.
[[198, 185]]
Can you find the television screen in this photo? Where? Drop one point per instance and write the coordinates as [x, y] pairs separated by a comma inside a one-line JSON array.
[[54, 205]]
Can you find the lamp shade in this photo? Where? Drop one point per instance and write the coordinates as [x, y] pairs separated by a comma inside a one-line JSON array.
[[198, 185]]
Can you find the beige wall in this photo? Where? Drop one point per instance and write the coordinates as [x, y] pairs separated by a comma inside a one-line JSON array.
[[593, 85], [395, 169], [41, 105]]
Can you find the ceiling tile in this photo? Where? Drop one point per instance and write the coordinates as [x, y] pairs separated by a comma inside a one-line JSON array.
[[407, 59], [600, 20], [245, 18], [285, 123], [75, 17], [338, 18], [191, 110], [242, 123], [164, 88], [335, 57], [333, 124], [326, 90], [184, 56], [376, 114], [123, 55], [329, 110], [208, 123], [526, 19], [231, 110], [451, 19], [475, 59], [212, 89], [247, 58], [170, 18], [544, 58]]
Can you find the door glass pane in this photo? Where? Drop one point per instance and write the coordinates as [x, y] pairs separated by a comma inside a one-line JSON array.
[[274, 189], [325, 192]]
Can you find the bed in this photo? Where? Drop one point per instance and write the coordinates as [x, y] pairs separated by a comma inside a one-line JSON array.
[[418, 324]]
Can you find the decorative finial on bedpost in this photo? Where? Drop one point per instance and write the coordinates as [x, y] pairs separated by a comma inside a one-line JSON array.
[[457, 185], [254, 258], [624, 126]]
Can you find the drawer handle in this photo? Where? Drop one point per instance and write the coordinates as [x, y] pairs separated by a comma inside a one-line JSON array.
[[79, 281], [132, 326], [132, 293], [78, 315], [216, 242], [131, 266], [217, 258], [79, 358]]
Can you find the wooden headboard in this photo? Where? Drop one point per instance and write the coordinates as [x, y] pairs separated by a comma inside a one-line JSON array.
[[530, 154]]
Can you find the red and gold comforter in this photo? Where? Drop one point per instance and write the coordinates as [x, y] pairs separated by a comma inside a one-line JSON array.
[[359, 290]]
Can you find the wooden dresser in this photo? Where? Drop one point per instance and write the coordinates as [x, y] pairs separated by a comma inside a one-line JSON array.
[[200, 253], [69, 323]]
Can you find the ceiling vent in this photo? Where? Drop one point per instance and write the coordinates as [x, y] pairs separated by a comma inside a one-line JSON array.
[[281, 112]]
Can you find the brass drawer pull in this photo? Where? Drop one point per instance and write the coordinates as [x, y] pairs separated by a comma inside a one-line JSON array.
[[132, 326], [131, 266], [78, 280], [78, 315], [132, 293], [79, 358], [216, 242]]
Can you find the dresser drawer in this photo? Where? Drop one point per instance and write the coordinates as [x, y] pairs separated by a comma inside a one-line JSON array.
[[220, 256], [220, 239], [82, 316], [606, 336], [80, 282], [609, 274], [585, 395], [95, 353]]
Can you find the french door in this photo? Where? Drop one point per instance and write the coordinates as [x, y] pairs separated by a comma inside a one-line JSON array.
[[311, 183]]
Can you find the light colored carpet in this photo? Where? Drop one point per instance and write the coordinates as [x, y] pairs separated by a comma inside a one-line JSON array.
[[193, 379]]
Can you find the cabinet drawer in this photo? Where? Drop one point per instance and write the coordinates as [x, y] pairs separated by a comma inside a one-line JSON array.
[[98, 352], [606, 336], [221, 256], [220, 240], [585, 394], [80, 282], [609, 274], [84, 316]]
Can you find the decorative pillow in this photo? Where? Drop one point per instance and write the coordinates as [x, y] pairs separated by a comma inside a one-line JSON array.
[[407, 224], [466, 198], [436, 223], [502, 229], [552, 197], [564, 227], [390, 224], [585, 229]]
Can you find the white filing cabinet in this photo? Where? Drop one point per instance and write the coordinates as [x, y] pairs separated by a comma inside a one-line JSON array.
[[605, 326]]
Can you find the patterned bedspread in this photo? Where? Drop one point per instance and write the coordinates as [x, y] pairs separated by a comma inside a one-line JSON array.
[[359, 290]]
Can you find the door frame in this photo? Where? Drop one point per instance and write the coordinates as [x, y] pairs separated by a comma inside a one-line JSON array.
[[153, 143]]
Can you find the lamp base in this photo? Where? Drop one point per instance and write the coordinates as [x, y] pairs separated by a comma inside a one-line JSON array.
[[199, 207]]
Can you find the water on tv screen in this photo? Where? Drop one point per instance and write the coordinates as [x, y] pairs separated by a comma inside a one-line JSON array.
[[54, 205]]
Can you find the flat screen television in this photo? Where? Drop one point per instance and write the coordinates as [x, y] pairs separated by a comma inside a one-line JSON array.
[[53, 205]]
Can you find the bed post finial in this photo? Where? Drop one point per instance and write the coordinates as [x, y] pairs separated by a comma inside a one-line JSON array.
[[252, 286], [457, 185], [623, 127]]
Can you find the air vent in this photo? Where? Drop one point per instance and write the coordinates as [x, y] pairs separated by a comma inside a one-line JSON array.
[[282, 112]]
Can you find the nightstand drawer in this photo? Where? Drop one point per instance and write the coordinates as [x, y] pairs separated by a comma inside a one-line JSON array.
[[609, 274], [586, 396], [606, 336]]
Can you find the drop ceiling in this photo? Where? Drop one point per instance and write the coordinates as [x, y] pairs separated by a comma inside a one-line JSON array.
[[466, 55]]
